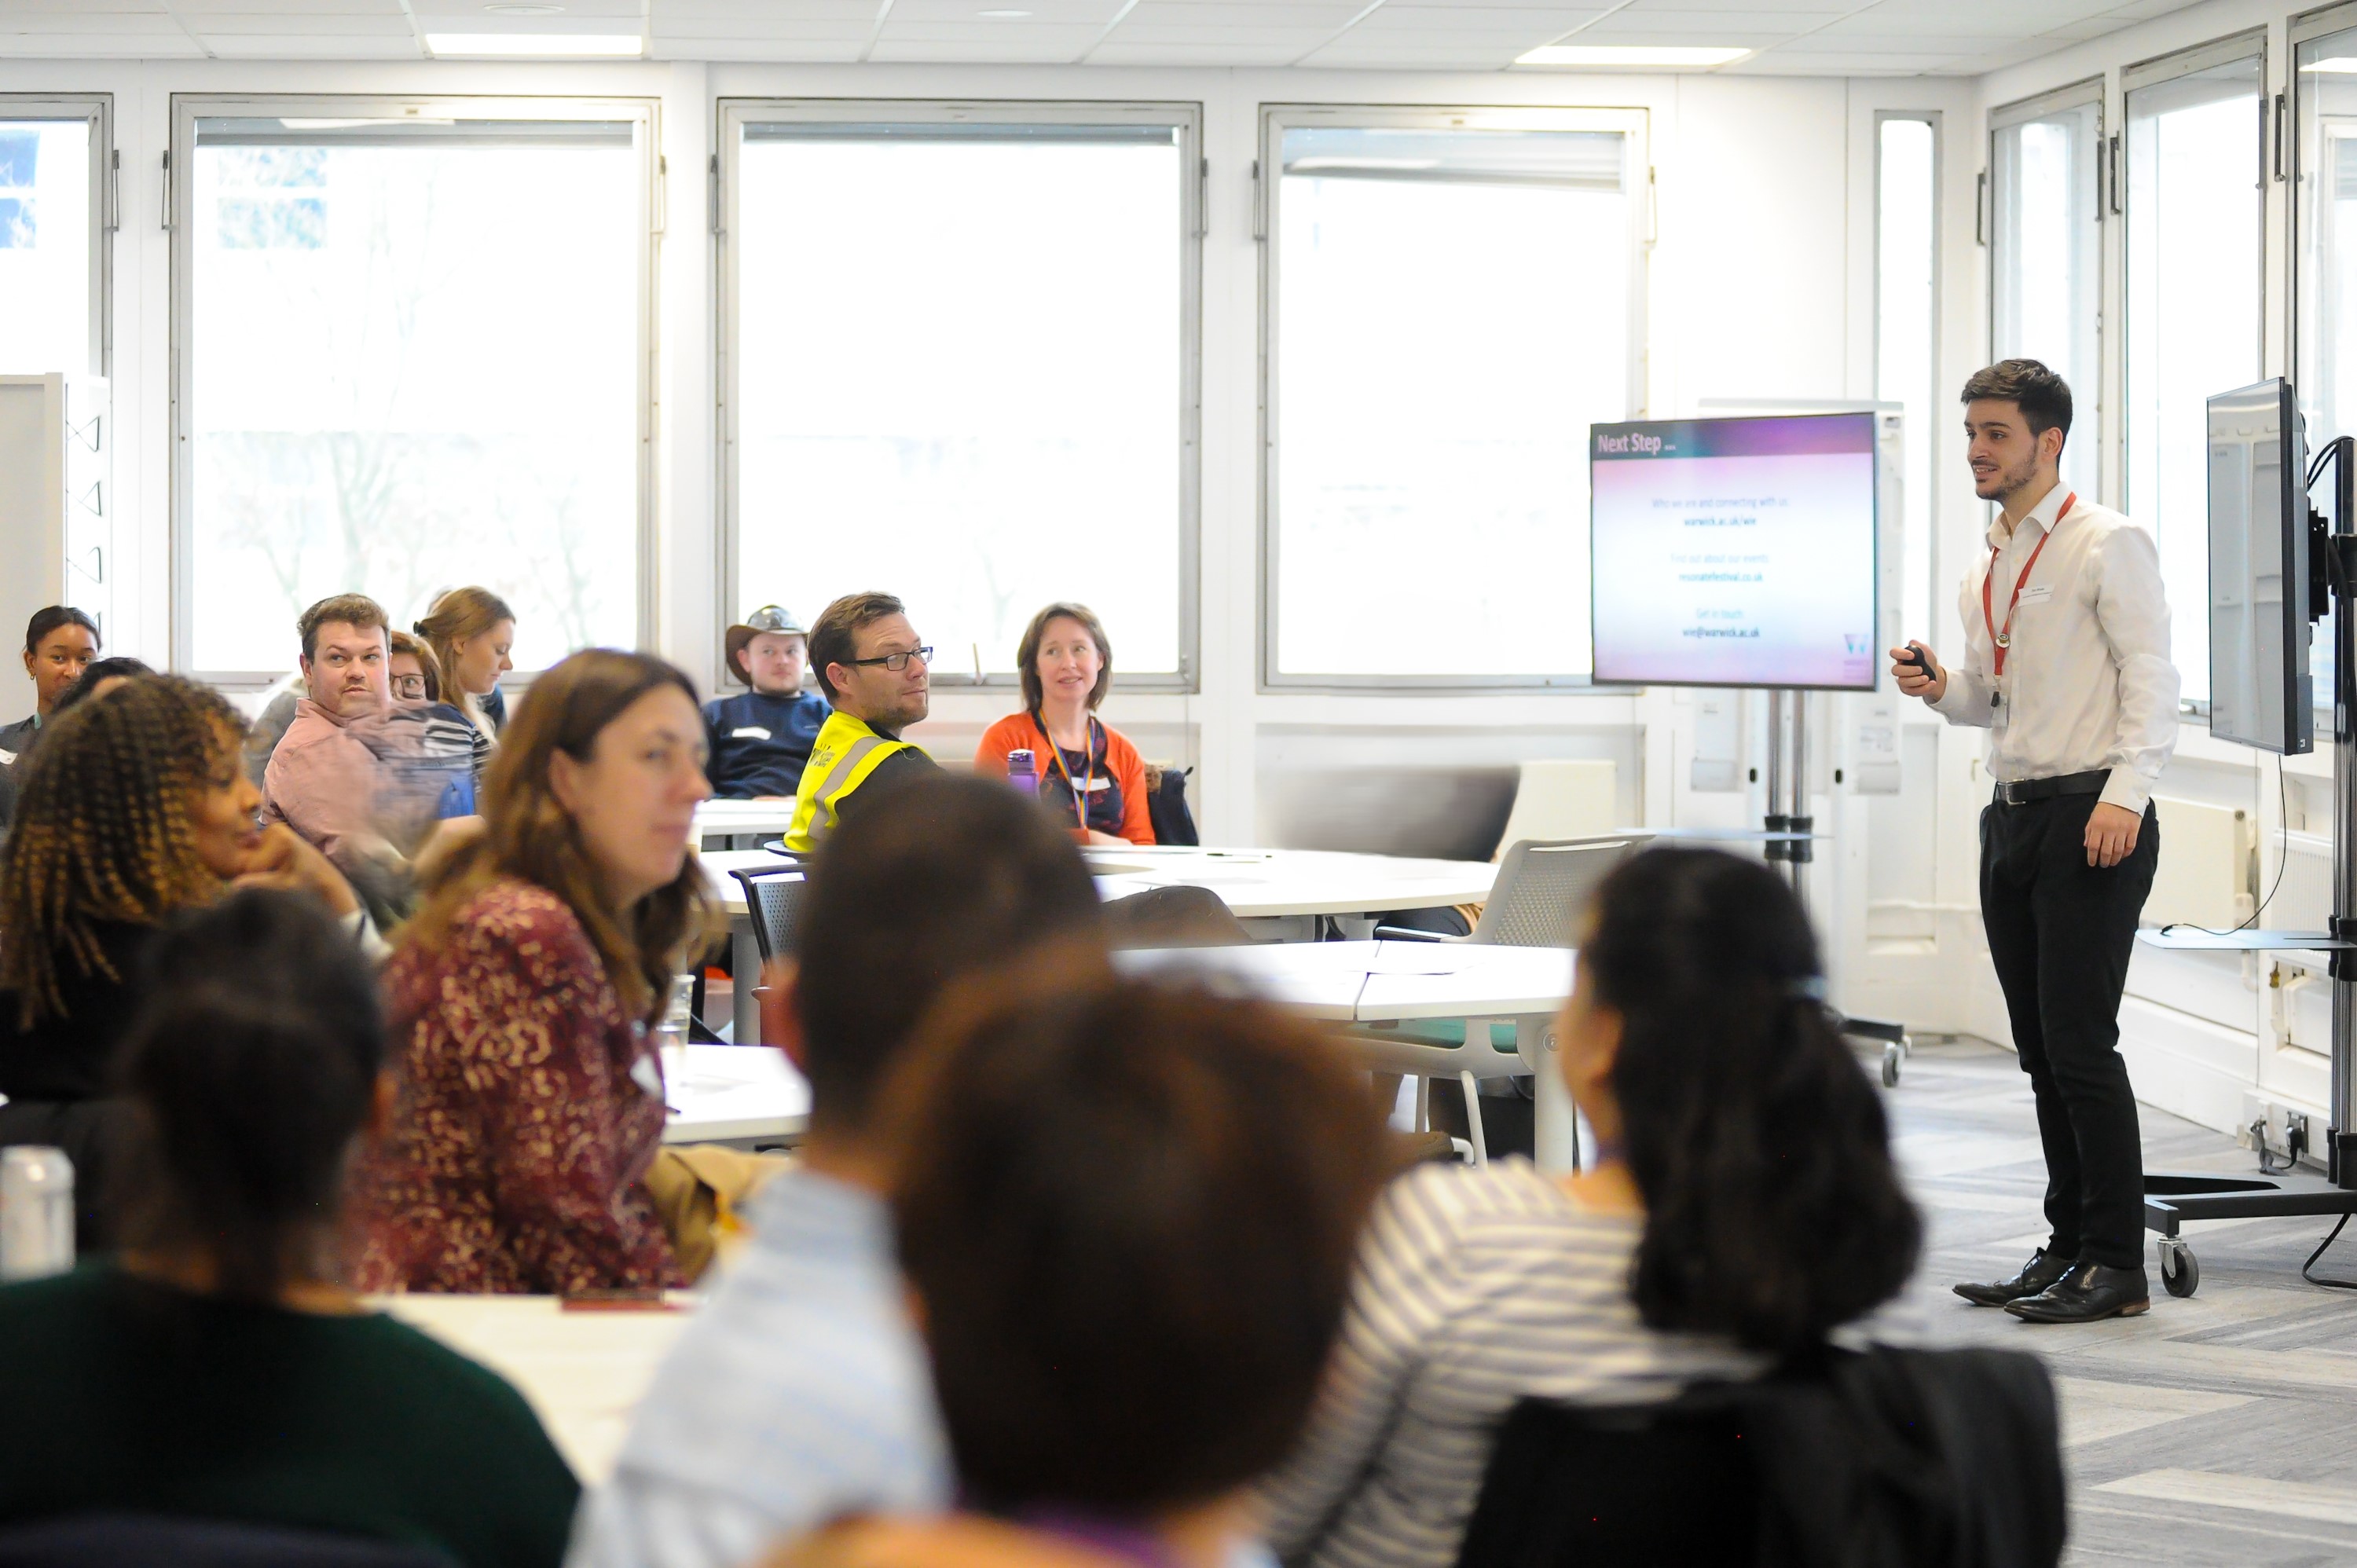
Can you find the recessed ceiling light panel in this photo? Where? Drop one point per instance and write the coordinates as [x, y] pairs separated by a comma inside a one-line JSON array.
[[1004, 15], [541, 45], [1673, 56], [510, 9]]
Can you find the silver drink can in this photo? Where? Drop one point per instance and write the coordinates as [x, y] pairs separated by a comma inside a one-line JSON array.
[[36, 1212]]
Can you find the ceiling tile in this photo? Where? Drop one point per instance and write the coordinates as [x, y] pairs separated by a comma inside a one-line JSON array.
[[1225, 16], [196, 13], [1115, 52], [312, 46], [1043, 13], [784, 31], [786, 51], [1338, 57], [676, 15], [1012, 52], [1027, 41], [325, 28]]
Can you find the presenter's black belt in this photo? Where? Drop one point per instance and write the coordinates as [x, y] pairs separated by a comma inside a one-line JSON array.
[[2022, 791]]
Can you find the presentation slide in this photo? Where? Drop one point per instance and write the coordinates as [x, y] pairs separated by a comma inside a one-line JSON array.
[[1735, 551]]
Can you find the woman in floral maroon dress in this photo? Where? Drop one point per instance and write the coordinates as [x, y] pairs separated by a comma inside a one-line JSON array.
[[522, 995]]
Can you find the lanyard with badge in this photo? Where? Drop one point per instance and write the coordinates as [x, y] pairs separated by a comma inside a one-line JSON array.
[[1080, 794], [2002, 635]]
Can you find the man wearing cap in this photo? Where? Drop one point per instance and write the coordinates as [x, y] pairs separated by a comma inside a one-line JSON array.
[[761, 739]]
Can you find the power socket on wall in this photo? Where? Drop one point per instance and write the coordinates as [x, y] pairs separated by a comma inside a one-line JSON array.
[[2271, 1127]]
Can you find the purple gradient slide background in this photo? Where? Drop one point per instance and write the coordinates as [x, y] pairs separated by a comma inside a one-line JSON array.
[[1660, 577]]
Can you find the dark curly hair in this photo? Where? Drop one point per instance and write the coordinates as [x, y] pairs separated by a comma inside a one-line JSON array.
[[105, 828], [1773, 1213]]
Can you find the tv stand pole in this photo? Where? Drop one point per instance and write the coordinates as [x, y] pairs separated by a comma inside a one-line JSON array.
[[1791, 840], [2171, 1199]]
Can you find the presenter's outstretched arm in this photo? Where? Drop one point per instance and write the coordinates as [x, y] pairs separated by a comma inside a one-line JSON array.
[[1928, 680]]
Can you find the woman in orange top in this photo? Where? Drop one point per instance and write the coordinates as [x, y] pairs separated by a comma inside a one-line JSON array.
[[1084, 763]]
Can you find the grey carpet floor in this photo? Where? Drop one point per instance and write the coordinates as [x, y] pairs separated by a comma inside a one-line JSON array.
[[2220, 1429]]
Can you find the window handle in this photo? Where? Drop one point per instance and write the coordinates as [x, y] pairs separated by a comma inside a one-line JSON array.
[[1980, 209], [2281, 101], [2116, 173]]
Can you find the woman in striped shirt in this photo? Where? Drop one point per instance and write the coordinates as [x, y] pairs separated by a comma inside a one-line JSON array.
[[1742, 1204]]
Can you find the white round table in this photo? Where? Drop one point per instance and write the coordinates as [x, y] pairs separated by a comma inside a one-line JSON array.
[[1259, 884]]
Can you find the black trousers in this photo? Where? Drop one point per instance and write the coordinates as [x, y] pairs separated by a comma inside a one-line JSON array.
[[2060, 933]]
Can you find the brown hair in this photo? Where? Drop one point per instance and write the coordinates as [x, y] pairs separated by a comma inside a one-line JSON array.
[[353, 610], [1131, 1212], [833, 636], [1026, 652], [418, 649], [459, 616], [2043, 397], [528, 834], [957, 875], [105, 830]]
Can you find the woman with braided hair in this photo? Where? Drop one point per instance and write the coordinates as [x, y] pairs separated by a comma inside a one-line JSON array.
[[133, 808]]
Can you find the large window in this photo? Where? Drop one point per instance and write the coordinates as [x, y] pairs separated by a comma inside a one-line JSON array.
[[412, 351], [1907, 335], [961, 368], [1452, 298], [2046, 208], [2196, 167], [2325, 263], [54, 213]]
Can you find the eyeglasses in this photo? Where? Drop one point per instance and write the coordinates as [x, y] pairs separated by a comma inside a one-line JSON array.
[[895, 662], [409, 685]]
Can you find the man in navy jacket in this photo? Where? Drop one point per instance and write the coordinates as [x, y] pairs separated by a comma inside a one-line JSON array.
[[760, 739]]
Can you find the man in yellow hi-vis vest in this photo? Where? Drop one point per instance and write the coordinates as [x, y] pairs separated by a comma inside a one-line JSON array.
[[876, 673]]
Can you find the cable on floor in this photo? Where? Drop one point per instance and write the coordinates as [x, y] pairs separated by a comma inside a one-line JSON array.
[[2320, 1246]]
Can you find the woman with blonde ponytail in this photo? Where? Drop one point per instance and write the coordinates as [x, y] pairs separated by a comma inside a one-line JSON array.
[[470, 631]]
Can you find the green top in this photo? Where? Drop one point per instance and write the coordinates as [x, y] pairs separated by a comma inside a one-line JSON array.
[[126, 1396]]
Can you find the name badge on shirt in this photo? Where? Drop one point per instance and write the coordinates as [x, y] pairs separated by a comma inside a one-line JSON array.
[[2039, 595], [750, 732]]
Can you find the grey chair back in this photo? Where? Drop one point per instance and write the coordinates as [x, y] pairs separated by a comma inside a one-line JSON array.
[[1543, 885], [773, 901]]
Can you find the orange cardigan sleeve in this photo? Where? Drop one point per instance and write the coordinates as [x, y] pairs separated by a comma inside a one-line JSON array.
[[1013, 732], [1129, 770]]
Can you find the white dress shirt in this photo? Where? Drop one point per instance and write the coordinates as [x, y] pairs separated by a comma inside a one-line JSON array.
[[2087, 681]]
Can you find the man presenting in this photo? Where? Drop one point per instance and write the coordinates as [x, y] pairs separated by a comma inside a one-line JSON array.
[[2066, 664], [761, 740]]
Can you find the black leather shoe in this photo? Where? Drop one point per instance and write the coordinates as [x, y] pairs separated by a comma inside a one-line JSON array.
[[2088, 1294], [2042, 1269]]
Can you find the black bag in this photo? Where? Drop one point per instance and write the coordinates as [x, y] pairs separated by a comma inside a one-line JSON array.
[[1887, 1458], [1165, 805]]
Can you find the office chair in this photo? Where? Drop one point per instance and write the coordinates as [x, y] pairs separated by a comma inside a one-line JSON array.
[[773, 901]]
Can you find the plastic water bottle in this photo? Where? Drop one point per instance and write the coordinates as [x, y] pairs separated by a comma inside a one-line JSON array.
[[1021, 773], [36, 1213]]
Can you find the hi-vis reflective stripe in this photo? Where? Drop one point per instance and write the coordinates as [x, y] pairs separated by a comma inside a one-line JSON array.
[[839, 779], [833, 773]]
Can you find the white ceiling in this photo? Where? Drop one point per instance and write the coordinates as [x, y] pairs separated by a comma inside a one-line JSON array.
[[1817, 38]]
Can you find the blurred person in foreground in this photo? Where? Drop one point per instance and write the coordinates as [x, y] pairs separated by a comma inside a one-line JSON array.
[[1127, 1214], [799, 1394], [219, 1367]]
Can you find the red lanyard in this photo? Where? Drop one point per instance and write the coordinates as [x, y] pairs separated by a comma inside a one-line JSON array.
[[2003, 636], [1080, 796]]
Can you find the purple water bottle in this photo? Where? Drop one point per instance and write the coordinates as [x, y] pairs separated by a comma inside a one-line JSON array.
[[1021, 773]]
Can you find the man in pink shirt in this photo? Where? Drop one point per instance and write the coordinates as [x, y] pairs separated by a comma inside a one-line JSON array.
[[322, 780]]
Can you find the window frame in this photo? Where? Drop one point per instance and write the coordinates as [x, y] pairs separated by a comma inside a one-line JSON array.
[[732, 114], [643, 114], [1631, 123], [96, 108], [2248, 44], [1932, 444], [2022, 112], [2305, 29]]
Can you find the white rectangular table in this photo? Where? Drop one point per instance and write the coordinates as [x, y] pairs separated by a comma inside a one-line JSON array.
[[1254, 883], [1375, 983], [733, 1094]]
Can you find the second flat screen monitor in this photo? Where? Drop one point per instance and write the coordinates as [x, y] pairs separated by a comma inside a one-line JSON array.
[[1735, 551]]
